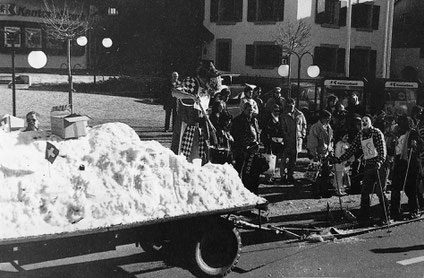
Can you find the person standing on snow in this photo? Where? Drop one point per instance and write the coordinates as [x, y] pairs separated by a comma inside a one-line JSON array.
[[193, 127]]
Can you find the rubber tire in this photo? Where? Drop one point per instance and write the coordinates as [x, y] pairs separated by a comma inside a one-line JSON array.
[[216, 250]]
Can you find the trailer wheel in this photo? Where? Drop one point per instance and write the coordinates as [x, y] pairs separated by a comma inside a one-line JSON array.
[[216, 250]]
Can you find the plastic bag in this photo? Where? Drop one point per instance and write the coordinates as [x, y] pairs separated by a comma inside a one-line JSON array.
[[272, 160]]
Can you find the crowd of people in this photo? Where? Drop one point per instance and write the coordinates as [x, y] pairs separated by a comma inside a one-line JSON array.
[[356, 152]]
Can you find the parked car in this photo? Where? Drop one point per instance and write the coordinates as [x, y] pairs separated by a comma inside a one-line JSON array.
[[232, 81]]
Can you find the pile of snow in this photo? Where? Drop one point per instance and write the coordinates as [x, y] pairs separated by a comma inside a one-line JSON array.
[[108, 177]]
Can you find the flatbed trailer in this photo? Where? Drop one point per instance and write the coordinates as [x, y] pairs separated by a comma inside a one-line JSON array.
[[208, 241]]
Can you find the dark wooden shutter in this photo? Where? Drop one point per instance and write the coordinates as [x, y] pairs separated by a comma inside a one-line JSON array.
[[214, 10], [251, 10], [250, 55], [279, 10], [372, 63], [375, 17], [320, 14], [238, 10], [276, 54], [340, 64], [342, 16]]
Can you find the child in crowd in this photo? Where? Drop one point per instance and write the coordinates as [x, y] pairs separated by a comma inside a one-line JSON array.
[[341, 180]]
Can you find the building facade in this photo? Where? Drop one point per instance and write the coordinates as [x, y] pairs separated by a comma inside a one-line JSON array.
[[408, 40], [22, 31], [245, 32]]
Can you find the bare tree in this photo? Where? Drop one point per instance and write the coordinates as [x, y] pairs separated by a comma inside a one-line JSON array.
[[66, 23], [293, 37]]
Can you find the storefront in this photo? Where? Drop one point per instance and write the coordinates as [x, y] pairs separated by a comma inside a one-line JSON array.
[[342, 89], [22, 30], [399, 96]]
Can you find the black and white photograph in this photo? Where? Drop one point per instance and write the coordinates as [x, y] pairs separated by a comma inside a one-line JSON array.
[[211, 138]]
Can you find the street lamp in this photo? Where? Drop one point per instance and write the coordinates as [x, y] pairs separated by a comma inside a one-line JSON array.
[[285, 70]]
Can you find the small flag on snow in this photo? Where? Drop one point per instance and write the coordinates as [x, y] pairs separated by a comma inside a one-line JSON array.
[[51, 152]]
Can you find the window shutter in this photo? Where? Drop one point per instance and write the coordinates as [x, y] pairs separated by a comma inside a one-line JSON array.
[[238, 10], [214, 11], [250, 54], [340, 66], [276, 54], [342, 16], [373, 63], [375, 17], [251, 11], [279, 11], [320, 14]]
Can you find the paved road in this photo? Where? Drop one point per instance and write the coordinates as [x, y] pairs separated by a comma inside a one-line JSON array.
[[377, 254]]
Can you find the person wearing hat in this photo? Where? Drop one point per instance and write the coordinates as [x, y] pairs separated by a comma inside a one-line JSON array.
[[246, 134], [191, 137], [370, 141]]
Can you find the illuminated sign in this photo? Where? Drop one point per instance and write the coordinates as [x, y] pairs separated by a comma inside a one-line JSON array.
[[336, 82]]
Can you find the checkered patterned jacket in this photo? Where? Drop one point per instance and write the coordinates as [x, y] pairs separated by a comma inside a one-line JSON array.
[[379, 143]]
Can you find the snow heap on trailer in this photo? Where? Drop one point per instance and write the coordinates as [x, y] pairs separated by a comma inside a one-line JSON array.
[[108, 177]]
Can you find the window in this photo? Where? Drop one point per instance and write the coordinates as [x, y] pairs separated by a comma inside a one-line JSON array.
[[328, 12], [112, 11], [330, 59], [223, 54], [32, 38], [263, 55], [365, 15], [223, 11], [265, 10], [12, 36], [362, 62]]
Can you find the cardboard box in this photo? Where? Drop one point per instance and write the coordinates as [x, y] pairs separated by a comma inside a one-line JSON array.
[[68, 126], [10, 123]]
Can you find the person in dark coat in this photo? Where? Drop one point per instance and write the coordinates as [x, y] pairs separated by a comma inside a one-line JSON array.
[[406, 164], [245, 131], [169, 102]]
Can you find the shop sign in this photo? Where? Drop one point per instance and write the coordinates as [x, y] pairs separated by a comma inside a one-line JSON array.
[[397, 85], [337, 82], [14, 10]]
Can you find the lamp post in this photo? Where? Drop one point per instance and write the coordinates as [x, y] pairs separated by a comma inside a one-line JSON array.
[[107, 43], [35, 59], [285, 70]]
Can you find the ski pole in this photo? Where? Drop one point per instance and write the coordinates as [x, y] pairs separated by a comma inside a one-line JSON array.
[[384, 202]]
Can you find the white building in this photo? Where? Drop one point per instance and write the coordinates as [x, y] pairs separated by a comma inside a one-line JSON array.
[[25, 19], [245, 32]]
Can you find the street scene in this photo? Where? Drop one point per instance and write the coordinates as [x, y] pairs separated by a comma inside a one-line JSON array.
[[211, 138]]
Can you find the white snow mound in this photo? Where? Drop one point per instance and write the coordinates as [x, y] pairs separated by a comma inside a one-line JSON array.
[[123, 180]]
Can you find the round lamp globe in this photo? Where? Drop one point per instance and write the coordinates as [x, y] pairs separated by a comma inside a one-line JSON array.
[[37, 59]]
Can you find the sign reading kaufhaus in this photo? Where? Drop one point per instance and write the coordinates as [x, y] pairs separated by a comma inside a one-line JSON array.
[[17, 10]]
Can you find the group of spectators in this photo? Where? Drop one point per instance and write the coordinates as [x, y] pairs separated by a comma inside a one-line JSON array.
[[361, 150]]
